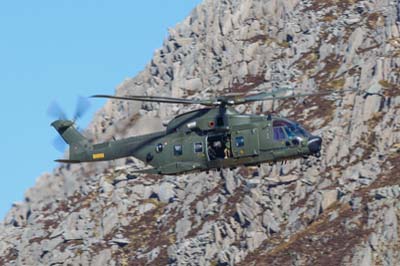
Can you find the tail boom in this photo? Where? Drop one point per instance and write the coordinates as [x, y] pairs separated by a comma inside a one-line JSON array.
[[79, 146]]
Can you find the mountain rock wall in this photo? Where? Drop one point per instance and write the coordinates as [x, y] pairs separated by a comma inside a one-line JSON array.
[[341, 209]]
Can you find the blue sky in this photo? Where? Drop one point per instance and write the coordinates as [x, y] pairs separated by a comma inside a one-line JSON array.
[[56, 51]]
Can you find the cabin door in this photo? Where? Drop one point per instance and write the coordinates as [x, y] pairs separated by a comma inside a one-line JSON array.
[[217, 146], [245, 143]]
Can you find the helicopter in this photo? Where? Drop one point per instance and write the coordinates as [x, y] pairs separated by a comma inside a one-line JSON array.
[[213, 137]]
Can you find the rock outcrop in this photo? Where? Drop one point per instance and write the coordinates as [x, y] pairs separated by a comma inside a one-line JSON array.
[[342, 209]]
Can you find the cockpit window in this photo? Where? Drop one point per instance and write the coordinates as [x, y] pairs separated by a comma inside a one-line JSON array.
[[279, 134], [291, 129], [301, 131], [290, 132], [280, 123]]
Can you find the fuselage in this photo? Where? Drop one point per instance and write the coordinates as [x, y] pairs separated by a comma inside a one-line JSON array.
[[211, 138]]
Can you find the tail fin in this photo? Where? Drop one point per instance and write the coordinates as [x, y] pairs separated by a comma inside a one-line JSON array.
[[79, 146]]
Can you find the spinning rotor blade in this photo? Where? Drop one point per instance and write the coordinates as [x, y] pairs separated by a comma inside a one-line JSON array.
[[271, 96], [56, 111], [82, 106], [157, 99], [59, 144], [221, 100]]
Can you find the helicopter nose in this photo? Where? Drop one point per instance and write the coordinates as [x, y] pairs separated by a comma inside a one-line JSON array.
[[314, 144]]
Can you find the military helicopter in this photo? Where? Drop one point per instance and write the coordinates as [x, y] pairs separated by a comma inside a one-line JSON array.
[[214, 137]]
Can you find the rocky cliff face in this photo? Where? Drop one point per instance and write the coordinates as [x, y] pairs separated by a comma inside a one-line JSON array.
[[340, 210]]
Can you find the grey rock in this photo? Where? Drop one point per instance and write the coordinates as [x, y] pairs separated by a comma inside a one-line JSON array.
[[249, 208], [255, 239], [288, 178], [182, 228], [199, 208], [141, 191], [57, 258], [217, 235], [356, 203], [286, 202], [152, 255], [72, 227], [165, 192], [119, 178], [51, 244], [102, 258], [88, 210], [110, 220], [293, 216], [71, 183], [230, 184], [351, 21], [333, 216], [328, 198], [373, 241], [105, 186], [390, 225], [269, 222], [363, 257], [253, 182], [386, 192], [145, 207], [121, 241]]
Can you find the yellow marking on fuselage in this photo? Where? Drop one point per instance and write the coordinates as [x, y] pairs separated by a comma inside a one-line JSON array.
[[98, 156]]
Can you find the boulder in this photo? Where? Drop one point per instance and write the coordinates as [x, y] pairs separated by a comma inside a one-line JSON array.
[[269, 222], [328, 198]]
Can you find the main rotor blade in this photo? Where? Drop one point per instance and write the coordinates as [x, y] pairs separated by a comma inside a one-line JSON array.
[[263, 96], [267, 96], [221, 100], [158, 99]]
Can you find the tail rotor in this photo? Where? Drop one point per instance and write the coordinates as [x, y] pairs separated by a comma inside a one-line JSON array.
[[55, 111], [82, 106]]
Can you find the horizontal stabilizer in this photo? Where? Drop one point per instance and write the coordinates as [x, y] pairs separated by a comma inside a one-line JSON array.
[[67, 161]]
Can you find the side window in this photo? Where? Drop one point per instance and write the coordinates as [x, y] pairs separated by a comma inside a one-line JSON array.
[[279, 134], [198, 147], [159, 147], [239, 141], [177, 149]]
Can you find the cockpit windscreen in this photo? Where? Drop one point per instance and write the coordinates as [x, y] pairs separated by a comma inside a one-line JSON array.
[[290, 128]]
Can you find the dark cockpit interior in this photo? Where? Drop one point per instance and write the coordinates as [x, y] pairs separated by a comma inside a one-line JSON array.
[[285, 129]]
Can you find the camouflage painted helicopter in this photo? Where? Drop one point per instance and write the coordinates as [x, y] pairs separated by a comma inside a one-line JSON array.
[[214, 137]]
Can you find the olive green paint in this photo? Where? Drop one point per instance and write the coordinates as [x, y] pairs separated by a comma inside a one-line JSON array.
[[160, 150]]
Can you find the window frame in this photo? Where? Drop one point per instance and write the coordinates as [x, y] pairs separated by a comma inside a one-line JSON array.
[[196, 145], [289, 132], [159, 147], [178, 152], [279, 133], [239, 141]]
